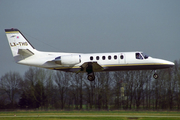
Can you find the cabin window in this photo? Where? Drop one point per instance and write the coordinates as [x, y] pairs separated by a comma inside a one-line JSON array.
[[122, 57], [97, 57], [138, 56], [103, 57], [109, 57], [115, 57], [91, 58]]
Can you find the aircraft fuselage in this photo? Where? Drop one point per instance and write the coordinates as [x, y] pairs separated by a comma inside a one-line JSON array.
[[24, 53]]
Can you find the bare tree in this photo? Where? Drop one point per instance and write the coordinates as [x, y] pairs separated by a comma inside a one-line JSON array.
[[118, 90], [129, 88], [177, 85], [77, 89], [141, 80], [62, 81], [50, 90], [33, 88], [9, 83], [89, 96]]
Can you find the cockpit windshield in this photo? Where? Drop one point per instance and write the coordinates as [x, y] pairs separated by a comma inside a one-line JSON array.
[[141, 56], [145, 56]]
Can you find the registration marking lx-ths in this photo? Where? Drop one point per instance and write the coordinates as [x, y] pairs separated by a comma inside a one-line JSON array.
[[18, 44]]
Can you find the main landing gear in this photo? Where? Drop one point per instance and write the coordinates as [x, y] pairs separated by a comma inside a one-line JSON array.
[[91, 77], [89, 70]]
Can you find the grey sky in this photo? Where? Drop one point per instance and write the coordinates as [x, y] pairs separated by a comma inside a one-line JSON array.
[[92, 26]]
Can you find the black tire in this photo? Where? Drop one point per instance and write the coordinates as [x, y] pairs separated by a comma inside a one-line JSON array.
[[155, 76], [91, 77]]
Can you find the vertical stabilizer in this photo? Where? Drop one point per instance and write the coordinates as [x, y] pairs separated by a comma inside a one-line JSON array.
[[20, 46]]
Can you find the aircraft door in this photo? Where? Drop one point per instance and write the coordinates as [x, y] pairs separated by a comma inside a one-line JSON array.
[[122, 58]]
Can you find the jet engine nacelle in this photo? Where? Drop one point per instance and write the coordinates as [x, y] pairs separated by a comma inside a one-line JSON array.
[[68, 59]]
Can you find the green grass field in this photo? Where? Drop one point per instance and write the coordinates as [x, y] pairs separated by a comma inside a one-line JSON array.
[[89, 115]]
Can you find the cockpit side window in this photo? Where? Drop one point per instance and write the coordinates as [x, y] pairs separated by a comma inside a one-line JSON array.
[[138, 56]]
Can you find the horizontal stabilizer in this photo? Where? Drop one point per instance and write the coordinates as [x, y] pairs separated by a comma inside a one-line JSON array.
[[25, 52]]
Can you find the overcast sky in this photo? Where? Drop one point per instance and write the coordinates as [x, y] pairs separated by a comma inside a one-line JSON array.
[[89, 26]]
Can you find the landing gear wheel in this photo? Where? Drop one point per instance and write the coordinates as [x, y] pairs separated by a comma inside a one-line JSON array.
[[91, 77], [155, 76]]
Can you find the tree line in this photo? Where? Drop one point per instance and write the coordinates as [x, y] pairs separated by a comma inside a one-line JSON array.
[[47, 89]]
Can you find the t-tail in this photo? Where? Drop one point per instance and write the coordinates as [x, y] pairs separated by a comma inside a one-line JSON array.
[[20, 46]]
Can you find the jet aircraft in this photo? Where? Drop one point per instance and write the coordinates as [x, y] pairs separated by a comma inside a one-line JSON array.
[[24, 53]]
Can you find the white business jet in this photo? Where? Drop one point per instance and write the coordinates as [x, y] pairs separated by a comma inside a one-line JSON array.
[[24, 53]]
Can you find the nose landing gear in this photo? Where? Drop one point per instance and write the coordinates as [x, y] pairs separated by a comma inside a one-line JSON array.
[[155, 76]]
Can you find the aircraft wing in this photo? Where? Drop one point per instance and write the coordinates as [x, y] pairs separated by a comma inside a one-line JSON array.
[[94, 66]]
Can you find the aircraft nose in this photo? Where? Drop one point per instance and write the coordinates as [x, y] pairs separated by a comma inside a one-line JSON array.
[[165, 63], [171, 64]]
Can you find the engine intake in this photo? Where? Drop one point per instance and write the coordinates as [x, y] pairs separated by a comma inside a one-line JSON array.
[[68, 59]]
